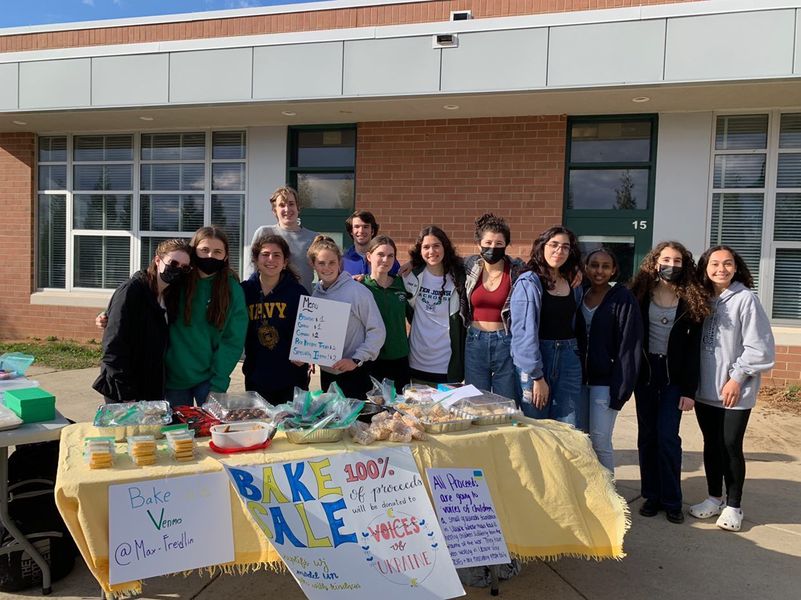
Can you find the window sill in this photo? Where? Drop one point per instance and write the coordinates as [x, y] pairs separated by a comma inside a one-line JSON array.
[[79, 299]]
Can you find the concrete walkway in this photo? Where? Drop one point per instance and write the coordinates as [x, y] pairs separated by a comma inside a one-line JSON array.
[[665, 561]]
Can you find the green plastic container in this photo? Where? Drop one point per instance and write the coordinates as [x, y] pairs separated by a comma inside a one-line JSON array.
[[31, 404]]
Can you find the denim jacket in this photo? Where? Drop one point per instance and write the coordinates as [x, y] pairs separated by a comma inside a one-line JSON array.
[[474, 265], [525, 306]]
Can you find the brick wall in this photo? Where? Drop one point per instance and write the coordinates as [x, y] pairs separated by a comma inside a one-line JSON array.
[[787, 369], [448, 172], [420, 12], [18, 318]]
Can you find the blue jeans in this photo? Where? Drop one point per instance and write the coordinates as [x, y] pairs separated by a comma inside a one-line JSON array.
[[561, 367], [188, 397], [488, 362], [658, 441], [601, 422]]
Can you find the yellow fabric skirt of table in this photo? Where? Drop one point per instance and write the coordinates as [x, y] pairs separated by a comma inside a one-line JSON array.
[[552, 496]]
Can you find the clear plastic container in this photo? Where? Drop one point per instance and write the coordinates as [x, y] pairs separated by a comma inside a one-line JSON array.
[[124, 419], [487, 409], [437, 419], [321, 436], [8, 420], [232, 408]]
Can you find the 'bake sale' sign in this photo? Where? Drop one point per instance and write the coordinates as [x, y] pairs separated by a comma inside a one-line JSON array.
[[352, 525]]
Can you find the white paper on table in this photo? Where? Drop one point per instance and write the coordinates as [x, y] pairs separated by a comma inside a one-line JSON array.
[[169, 525], [456, 394]]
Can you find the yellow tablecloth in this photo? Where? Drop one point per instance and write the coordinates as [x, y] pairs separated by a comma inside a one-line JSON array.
[[551, 495]]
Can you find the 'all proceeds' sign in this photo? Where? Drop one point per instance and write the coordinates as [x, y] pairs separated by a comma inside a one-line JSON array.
[[356, 525], [467, 516]]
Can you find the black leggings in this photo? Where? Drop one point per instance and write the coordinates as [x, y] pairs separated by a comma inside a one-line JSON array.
[[723, 430]]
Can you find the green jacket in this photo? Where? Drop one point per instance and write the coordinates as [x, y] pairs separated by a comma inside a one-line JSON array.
[[392, 303], [200, 352], [456, 329]]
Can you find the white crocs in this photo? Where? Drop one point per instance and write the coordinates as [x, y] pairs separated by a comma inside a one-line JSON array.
[[731, 519], [708, 508]]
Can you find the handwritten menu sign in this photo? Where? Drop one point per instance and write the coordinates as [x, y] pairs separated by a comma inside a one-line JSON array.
[[356, 525], [168, 525], [320, 329], [467, 516]]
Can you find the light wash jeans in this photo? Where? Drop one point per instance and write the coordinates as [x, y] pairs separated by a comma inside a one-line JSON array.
[[561, 366], [188, 397], [488, 362], [601, 422]]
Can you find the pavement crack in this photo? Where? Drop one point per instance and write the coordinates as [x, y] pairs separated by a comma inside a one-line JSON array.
[[560, 576], [212, 579]]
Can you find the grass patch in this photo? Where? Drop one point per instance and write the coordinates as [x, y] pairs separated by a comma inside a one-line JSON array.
[[58, 354]]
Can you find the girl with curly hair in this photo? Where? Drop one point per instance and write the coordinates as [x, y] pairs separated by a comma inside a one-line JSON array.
[[736, 347], [544, 348], [490, 275], [436, 285], [672, 305]]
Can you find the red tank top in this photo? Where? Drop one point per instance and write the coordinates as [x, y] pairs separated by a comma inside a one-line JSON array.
[[487, 305]]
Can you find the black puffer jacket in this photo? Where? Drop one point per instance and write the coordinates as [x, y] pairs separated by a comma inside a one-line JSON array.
[[134, 344]]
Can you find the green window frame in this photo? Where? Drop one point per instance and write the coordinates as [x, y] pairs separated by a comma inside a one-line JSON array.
[[329, 220]]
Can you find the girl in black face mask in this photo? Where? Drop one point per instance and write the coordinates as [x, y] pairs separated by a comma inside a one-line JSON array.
[[136, 328], [485, 308], [673, 305], [208, 337]]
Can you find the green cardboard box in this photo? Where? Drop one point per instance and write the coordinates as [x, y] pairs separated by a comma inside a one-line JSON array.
[[31, 404]]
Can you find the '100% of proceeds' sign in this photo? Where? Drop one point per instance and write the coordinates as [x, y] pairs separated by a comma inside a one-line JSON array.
[[352, 525]]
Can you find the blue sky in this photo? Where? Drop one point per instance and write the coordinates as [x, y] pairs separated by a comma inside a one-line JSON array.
[[18, 13]]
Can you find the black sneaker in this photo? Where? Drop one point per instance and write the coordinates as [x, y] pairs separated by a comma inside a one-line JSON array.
[[675, 515], [649, 508]]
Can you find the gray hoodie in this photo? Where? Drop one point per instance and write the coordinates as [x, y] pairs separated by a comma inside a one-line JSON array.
[[736, 343], [365, 334]]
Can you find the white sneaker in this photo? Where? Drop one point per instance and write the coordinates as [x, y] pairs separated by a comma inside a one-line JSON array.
[[731, 519], [708, 508]]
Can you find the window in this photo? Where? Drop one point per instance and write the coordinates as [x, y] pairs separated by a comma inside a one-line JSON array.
[[609, 185], [322, 167], [126, 193], [756, 202]]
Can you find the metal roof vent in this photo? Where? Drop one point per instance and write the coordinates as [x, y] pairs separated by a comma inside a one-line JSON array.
[[461, 15], [445, 40]]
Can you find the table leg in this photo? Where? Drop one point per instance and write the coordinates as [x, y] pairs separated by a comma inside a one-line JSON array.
[[8, 523], [494, 591]]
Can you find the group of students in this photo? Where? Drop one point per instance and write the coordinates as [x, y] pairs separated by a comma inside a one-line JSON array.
[[554, 333]]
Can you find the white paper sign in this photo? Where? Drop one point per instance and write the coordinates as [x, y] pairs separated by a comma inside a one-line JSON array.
[[467, 517], [456, 394], [320, 328], [355, 525], [168, 525]]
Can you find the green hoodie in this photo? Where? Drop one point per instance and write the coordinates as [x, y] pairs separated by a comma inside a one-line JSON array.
[[200, 352], [392, 303]]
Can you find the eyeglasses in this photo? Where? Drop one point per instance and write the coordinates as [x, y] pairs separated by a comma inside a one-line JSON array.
[[176, 264], [554, 246]]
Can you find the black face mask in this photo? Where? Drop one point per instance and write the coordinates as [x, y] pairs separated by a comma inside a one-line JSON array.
[[493, 255], [171, 274], [209, 265], [670, 274]]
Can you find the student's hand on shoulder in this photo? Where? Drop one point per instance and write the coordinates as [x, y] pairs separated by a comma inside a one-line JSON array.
[[577, 280], [360, 277], [730, 394], [405, 269]]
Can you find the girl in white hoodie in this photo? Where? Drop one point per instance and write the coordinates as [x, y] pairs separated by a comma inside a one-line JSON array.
[[736, 347], [365, 333]]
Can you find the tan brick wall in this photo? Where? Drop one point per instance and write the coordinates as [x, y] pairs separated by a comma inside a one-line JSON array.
[[787, 369], [448, 172], [420, 12], [18, 318]]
